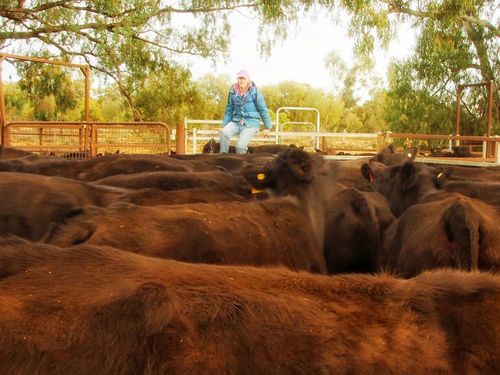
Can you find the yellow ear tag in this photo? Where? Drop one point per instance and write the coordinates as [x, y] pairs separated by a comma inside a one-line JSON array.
[[440, 174], [256, 191], [261, 177]]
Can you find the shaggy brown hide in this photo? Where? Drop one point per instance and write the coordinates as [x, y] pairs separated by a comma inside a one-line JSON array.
[[90, 310]]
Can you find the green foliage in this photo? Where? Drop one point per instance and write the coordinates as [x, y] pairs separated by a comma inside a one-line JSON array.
[[109, 106], [167, 96], [50, 90], [294, 94], [213, 94], [415, 109], [17, 103]]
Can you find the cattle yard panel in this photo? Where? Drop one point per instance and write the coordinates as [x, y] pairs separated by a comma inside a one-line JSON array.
[[130, 138], [48, 138], [85, 69], [81, 140]]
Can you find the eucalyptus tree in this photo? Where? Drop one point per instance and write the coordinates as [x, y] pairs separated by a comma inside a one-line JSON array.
[[50, 89], [127, 41], [130, 40], [458, 43]]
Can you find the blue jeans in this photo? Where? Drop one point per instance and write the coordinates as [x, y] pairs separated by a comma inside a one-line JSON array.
[[231, 129]]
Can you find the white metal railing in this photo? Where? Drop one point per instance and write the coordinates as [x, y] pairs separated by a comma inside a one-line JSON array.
[[200, 135]]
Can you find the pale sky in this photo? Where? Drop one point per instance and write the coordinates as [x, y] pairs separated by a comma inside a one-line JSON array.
[[300, 57]]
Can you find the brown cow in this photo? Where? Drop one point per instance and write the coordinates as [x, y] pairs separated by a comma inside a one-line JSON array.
[[90, 310], [405, 184], [435, 228], [453, 231], [389, 156], [116, 164], [167, 180], [12, 153], [488, 192], [229, 162], [100, 167], [285, 230], [475, 174], [42, 165], [355, 223], [30, 205], [155, 197]]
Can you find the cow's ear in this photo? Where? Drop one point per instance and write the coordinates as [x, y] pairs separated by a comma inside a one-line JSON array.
[[300, 164], [441, 176], [407, 176], [367, 172]]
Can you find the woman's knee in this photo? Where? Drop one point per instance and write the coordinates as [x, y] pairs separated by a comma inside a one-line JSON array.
[[224, 134]]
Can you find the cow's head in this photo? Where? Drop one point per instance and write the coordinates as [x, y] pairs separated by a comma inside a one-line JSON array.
[[292, 170], [405, 184], [211, 147], [389, 157]]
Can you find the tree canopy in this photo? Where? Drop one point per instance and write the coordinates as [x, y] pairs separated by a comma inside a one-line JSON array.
[[125, 40], [132, 41]]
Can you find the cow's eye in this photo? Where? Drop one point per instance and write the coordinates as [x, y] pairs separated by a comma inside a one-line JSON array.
[[261, 177]]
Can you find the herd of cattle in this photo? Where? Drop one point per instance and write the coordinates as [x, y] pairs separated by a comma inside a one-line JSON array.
[[258, 263]]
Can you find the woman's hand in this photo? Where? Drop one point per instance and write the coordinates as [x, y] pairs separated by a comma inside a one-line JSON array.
[[265, 133]]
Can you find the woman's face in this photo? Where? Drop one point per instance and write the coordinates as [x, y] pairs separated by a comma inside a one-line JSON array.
[[243, 82]]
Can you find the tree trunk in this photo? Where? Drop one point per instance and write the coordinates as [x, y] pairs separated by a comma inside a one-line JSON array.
[[476, 36]]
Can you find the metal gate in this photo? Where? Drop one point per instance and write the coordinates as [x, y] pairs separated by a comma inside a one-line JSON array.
[[80, 140], [315, 127]]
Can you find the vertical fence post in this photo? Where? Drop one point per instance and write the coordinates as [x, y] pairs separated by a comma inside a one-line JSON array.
[[484, 149], [40, 139], [3, 120], [93, 141], [194, 139], [497, 150], [180, 139], [388, 137], [186, 133]]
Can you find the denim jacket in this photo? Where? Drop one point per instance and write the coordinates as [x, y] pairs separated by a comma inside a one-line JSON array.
[[251, 108]]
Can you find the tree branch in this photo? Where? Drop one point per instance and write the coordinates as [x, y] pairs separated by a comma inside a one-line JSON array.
[[482, 23], [399, 7], [170, 49]]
